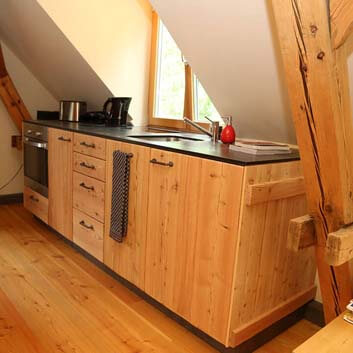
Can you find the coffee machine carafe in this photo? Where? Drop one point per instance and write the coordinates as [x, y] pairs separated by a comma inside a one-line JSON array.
[[116, 110]]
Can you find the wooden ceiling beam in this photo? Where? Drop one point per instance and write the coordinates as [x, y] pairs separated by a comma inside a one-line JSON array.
[[317, 85], [11, 98], [3, 71], [341, 17]]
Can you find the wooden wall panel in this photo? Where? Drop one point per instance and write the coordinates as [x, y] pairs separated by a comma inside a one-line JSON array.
[[267, 274]]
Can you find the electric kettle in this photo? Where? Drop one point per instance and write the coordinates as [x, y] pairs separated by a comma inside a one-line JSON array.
[[116, 110]]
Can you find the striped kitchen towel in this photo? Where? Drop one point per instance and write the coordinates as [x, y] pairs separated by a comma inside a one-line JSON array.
[[120, 195]]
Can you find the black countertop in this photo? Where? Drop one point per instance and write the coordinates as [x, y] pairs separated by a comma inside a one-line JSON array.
[[204, 149]]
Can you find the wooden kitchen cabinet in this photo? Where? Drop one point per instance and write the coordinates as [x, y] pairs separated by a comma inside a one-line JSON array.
[[60, 181], [193, 215], [128, 258], [206, 239]]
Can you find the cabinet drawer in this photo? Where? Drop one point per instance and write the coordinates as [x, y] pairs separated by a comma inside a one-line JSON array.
[[89, 166], [36, 204], [89, 196], [89, 145], [88, 234]]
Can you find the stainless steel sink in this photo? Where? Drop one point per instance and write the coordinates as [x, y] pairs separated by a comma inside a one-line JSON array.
[[165, 138]]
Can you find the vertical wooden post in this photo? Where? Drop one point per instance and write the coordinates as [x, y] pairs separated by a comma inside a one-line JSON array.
[[11, 98], [317, 90]]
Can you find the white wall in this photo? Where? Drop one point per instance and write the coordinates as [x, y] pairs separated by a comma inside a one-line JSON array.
[[114, 37], [39, 43], [231, 47], [36, 97]]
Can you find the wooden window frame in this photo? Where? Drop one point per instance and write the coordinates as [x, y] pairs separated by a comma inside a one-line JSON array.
[[177, 124]]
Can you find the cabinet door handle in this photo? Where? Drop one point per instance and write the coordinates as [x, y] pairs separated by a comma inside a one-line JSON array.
[[34, 198], [88, 166], [83, 185], [62, 138], [89, 145], [88, 226], [169, 164]]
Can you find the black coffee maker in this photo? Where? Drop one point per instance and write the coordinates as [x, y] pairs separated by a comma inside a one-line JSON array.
[[116, 111]]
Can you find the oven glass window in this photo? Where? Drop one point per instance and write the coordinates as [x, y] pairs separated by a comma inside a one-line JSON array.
[[35, 165]]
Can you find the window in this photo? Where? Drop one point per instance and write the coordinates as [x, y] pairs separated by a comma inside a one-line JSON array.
[[175, 91]]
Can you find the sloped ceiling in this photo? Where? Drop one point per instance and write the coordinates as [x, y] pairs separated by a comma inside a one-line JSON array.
[[39, 43], [232, 49]]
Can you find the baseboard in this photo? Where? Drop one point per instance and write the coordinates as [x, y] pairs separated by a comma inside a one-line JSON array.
[[11, 198], [315, 313], [250, 329]]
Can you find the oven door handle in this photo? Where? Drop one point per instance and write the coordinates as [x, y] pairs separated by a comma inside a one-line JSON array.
[[42, 145]]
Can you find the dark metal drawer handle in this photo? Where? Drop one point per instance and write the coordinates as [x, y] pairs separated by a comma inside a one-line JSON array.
[[88, 226], [90, 145], [83, 185], [62, 138], [34, 198], [83, 164], [169, 164]]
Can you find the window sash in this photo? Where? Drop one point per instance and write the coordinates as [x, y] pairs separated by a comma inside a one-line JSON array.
[[188, 98]]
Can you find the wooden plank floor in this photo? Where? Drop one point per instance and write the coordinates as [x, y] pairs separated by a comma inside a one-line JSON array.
[[52, 299]]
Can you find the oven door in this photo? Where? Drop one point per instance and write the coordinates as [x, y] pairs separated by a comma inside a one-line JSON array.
[[36, 165]]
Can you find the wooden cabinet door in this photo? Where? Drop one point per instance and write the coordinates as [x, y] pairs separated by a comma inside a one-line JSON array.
[[60, 181], [193, 213], [128, 258]]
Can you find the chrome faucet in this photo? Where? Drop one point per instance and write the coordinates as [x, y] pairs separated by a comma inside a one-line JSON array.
[[213, 132]]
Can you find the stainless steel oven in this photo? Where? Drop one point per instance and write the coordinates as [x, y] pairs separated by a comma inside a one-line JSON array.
[[36, 157]]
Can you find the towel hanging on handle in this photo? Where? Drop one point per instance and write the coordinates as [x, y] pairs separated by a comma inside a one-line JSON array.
[[120, 195]]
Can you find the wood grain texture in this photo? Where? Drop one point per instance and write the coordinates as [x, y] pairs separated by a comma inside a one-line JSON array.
[[193, 213], [339, 247], [60, 181], [128, 258], [89, 145], [267, 274], [336, 337], [301, 233], [13, 102], [3, 70], [324, 134], [275, 190], [88, 234], [106, 316], [36, 204], [89, 196], [341, 17], [63, 303], [10, 97], [90, 166], [243, 333]]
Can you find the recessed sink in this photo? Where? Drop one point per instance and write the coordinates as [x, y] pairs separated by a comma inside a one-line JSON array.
[[165, 138]]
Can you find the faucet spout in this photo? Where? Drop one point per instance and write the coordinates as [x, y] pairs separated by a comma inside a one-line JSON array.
[[214, 131], [196, 126]]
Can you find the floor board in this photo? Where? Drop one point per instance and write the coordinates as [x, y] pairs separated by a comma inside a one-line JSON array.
[[52, 299]]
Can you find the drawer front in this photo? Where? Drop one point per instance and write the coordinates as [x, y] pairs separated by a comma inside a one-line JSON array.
[[89, 166], [36, 204], [89, 145], [89, 196], [88, 234]]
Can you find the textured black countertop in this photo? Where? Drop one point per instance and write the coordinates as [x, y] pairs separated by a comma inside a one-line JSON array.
[[204, 149]]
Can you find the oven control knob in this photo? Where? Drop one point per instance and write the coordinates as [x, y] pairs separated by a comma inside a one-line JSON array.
[[38, 133]]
